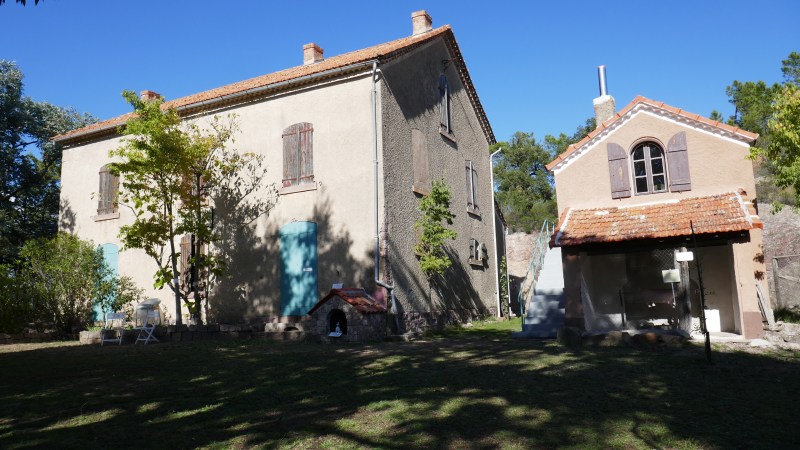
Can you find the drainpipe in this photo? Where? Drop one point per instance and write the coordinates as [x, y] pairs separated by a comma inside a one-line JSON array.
[[377, 261], [494, 231]]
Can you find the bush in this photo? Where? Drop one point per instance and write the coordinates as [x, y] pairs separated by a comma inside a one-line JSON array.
[[15, 311], [63, 275]]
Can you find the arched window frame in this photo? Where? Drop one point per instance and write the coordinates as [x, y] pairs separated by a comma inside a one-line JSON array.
[[649, 170]]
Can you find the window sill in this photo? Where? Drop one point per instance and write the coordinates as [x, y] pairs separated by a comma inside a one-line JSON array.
[[297, 188], [447, 134], [106, 216], [421, 189], [477, 263], [475, 212]]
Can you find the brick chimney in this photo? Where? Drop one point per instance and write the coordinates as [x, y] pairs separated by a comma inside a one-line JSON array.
[[604, 106], [312, 53], [149, 96], [421, 22]]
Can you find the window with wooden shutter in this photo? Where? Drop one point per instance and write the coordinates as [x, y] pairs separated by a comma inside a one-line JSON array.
[[618, 171], [186, 253], [472, 187], [107, 192], [678, 163], [419, 149], [444, 105], [298, 154], [649, 169]]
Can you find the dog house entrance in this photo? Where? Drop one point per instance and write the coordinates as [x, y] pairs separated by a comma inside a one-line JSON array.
[[337, 320]]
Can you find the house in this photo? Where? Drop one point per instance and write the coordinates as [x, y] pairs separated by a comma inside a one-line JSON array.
[[352, 142], [628, 197]]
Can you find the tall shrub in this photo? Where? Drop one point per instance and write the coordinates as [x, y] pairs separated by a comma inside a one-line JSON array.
[[63, 276]]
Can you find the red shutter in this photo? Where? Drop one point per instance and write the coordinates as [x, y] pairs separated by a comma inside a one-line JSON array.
[[290, 157], [678, 163], [306, 154], [618, 171]]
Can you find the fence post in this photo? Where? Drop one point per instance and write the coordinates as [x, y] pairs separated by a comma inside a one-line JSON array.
[[775, 283]]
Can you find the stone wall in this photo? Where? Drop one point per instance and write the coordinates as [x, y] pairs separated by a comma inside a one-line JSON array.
[[25, 338], [437, 320]]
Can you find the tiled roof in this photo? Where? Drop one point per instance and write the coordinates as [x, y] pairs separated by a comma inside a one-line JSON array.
[[712, 214], [382, 53], [356, 297], [640, 101]]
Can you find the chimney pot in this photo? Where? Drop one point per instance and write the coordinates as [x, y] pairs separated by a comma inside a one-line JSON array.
[[149, 96], [604, 105], [421, 22], [312, 53]]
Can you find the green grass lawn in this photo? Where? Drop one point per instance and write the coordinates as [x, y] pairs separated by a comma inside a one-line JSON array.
[[468, 388]]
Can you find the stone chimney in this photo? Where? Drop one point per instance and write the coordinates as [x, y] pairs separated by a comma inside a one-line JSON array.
[[421, 22], [312, 53], [149, 96], [604, 107]]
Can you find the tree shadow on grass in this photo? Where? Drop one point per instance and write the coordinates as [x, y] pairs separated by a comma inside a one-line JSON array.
[[428, 394]]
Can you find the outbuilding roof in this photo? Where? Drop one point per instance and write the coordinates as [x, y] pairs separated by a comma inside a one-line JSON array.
[[728, 212], [333, 66], [642, 103], [357, 297]]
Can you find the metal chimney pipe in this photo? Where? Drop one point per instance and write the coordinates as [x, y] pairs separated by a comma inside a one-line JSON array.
[[601, 75]]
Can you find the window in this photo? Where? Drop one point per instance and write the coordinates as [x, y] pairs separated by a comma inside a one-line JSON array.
[[444, 105], [472, 188], [477, 253], [419, 149], [649, 174], [107, 193], [298, 154]]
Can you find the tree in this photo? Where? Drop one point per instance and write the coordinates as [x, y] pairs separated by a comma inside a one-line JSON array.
[[436, 215], [752, 100], [172, 170], [30, 164], [783, 152], [61, 277], [791, 69], [524, 186]]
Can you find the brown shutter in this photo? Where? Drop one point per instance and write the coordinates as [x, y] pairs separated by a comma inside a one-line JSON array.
[[678, 163], [113, 191], [290, 155], [306, 144], [618, 171], [419, 150], [102, 190], [186, 252], [474, 187], [468, 171]]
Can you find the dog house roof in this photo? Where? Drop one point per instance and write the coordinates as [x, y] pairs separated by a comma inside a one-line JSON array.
[[356, 297]]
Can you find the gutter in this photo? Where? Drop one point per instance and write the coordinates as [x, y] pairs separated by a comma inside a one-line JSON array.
[[236, 95]]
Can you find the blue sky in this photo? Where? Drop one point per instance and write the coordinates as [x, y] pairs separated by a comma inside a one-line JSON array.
[[533, 63]]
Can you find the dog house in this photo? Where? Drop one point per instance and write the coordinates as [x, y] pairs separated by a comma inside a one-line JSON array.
[[348, 315]]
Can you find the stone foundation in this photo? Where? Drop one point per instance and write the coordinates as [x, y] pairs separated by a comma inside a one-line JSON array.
[[438, 320]]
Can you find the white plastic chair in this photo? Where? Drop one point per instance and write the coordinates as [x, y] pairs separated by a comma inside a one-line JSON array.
[[147, 328], [113, 329]]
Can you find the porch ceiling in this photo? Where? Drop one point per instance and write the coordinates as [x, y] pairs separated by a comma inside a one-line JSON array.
[[728, 212]]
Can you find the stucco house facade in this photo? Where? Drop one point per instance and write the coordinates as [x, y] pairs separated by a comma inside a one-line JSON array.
[[628, 197], [351, 142]]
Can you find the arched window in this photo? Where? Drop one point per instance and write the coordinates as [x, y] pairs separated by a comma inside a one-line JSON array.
[[649, 173], [107, 192]]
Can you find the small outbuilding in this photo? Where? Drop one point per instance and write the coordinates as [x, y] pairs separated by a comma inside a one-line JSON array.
[[348, 315]]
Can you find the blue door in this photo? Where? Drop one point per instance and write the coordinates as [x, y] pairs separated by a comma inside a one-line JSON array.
[[111, 256], [298, 268]]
